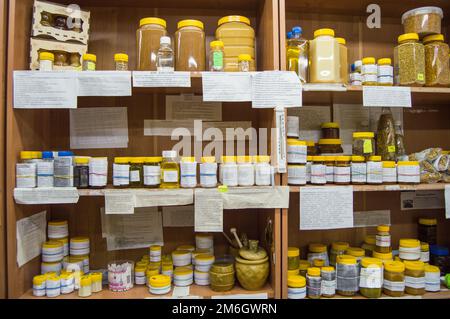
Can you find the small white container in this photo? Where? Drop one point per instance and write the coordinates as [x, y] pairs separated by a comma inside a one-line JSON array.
[[51, 267], [297, 293], [96, 280], [46, 60], [389, 172], [409, 249], [359, 170], [188, 172], [296, 151], [229, 171], [408, 172], [98, 171], [203, 262], [246, 171], [67, 283], [329, 169], [432, 278], [204, 241], [374, 170], [342, 174], [139, 275], [293, 127], [296, 174], [181, 258], [263, 171], [201, 278], [183, 277], [26, 175], [39, 285], [208, 172], [155, 253], [52, 251], [57, 229], [120, 275], [318, 171], [85, 286], [53, 286], [159, 284], [79, 246]]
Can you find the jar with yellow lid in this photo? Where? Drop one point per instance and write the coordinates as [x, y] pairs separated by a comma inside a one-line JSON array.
[[328, 275], [293, 272], [244, 62], [303, 267], [263, 170], [408, 172], [159, 284], [190, 46], [246, 171], [170, 170], [89, 62], [342, 170], [369, 245], [313, 283], [343, 56], [121, 172], [208, 172], [293, 258], [296, 287], [437, 69], [432, 278], [374, 170], [121, 61], [356, 252], [369, 71], [136, 171], [383, 256], [337, 248], [385, 72], [329, 162], [347, 274], [39, 282], [359, 170], [409, 249], [318, 170], [371, 277], [318, 251], [96, 278], [424, 252], [324, 57], [216, 55], [394, 278], [330, 146], [81, 172], [228, 172], [389, 172], [46, 60], [414, 277], [427, 230], [152, 171], [85, 286], [383, 239], [296, 174], [296, 151], [330, 130], [363, 144], [188, 172], [148, 39], [318, 262], [409, 61], [139, 274]]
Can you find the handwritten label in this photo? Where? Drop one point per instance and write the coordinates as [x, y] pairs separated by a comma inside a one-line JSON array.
[[161, 79], [385, 96]]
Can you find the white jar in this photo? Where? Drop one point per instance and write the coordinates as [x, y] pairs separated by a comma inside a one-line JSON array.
[[204, 241], [369, 66], [208, 172], [374, 170], [67, 283], [188, 172], [39, 285], [229, 171], [52, 251], [359, 170], [183, 277], [26, 175], [293, 127], [79, 246], [121, 171], [342, 174], [296, 174], [409, 249], [297, 293], [201, 278], [203, 262], [139, 275], [389, 172], [46, 60], [98, 171], [385, 72], [432, 278], [329, 168], [296, 151], [63, 170], [53, 286], [181, 258], [57, 229], [318, 171], [246, 171], [408, 172], [263, 171], [155, 253], [45, 170], [85, 286], [355, 76], [152, 171]]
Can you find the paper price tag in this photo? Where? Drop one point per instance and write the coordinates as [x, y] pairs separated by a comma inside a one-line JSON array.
[[104, 83], [385, 96], [161, 79], [276, 89], [227, 87]]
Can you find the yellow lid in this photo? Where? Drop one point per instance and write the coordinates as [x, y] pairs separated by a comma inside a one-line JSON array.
[[414, 265], [179, 252], [137, 160], [89, 57], [341, 41], [186, 247], [155, 248], [293, 272], [140, 268], [407, 37], [304, 264], [369, 262], [96, 276], [297, 281], [310, 143], [216, 43], [330, 125], [85, 280], [318, 158], [37, 154], [382, 256], [46, 56], [153, 159], [339, 245], [356, 158], [344, 158], [81, 160], [39, 280], [244, 57], [244, 159], [318, 262], [293, 141], [79, 239], [394, 266], [233, 19], [205, 257], [428, 221], [313, 271], [228, 159], [431, 268], [121, 160], [433, 37], [317, 248], [383, 228], [122, 57], [384, 61], [187, 159], [57, 223], [409, 243], [424, 246], [53, 277], [355, 251], [152, 20], [329, 158], [151, 272], [50, 274], [408, 163], [368, 60], [180, 271], [208, 159], [388, 164], [346, 260], [24, 155], [363, 135], [321, 32], [159, 281], [263, 159], [327, 269], [330, 141], [190, 23], [309, 158], [293, 252], [52, 244], [375, 158], [64, 240], [167, 267]]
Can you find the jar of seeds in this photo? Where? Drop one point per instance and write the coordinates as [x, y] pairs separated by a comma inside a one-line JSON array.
[[437, 72], [409, 61]]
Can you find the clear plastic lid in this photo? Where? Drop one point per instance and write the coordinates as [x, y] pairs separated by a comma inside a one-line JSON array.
[[422, 10]]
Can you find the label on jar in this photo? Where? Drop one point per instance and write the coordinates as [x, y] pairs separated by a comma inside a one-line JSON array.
[[385, 70], [369, 78], [369, 69], [329, 172], [263, 174], [355, 77], [152, 175], [389, 175], [121, 174], [26, 175], [296, 293], [374, 172], [385, 80], [383, 241], [370, 277], [246, 175], [432, 281], [229, 175], [296, 174], [45, 171], [367, 146], [296, 154], [98, 172], [217, 58], [328, 287], [170, 176], [45, 65], [359, 172], [188, 173], [90, 66], [208, 174], [318, 174], [135, 176], [409, 174], [415, 282], [394, 285], [425, 256], [342, 174]]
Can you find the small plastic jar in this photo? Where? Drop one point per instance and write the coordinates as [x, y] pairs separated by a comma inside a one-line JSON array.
[[440, 257], [216, 54], [383, 256], [424, 252], [408, 172], [311, 148], [46, 60], [296, 174], [328, 275], [330, 146], [337, 248], [424, 20], [356, 252], [394, 278], [385, 72], [39, 285], [154, 252], [263, 171], [89, 62], [359, 170], [369, 71], [159, 284], [414, 278], [318, 251], [363, 144], [329, 163], [139, 275], [208, 172], [432, 278], [296, 151], [330, 130], [81, 172], [383, 239], [437, 70], [121, 61], [152, 172], [427, 230], [293, 272], [318, 171], [244, 61], [121, 172], [347, 274], [97, 279], [313, 283], [409, 249], [308, 168], [136, 171], [53, 286], [296, 287], [303, 268], [229, 171], [246, 171], [188, 172], [374, 170], [371, 277], [181, 258], [389, 172], [183, 277], [85, 286], [293, 258], [369, 245], [318, 262], [342, 170]]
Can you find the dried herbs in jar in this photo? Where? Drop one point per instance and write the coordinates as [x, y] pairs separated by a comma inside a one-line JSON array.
[[386, 136]]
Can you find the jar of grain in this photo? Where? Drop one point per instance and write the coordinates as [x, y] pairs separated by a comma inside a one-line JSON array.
[[409, 61], [148, 36], [424, 20], [437, 72], [190, 46], [121, 61]]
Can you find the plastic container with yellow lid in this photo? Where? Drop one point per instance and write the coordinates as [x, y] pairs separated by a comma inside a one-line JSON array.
[[414, 277], [394, 278], [328, 275], [293, 258], [369, 71], [369, 245], [343, 56], [89, 62], [293, 272], [427, 230], [318, 170], [228, 171], [296, 287], [39, 284], [190, 52], [152, 171], [324, 57], [337, 248], [408, 172], [136, 171], [330, 146], [208, 171], [409, 249], [330, 130], [342, 170], [159, 284], [347, 274], [296, 151], [363, 144], [389, 172], [148, 41], [432, 278], [385, 72], [437, 71], [409, 61], [371, 277], [303, 267], [46, 60], [313, 283], [374, 170], [216, 55], [121, 172], [318, 251], [356, 252], [383, 239]]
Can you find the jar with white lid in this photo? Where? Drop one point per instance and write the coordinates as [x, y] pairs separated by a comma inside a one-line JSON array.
[[263, 170], [53, 286], [208, 172], [374, 170], [229, 171], [408, 172], [296, 174], [188, 172], [296, 151], [46, 60], [389, 172], [359, 170], [385, 72], [160, 284], [318, 171], [369, 71], [39, 285], [246, 171]]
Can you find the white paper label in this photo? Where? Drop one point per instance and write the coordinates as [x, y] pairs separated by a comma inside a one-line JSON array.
[[370, 277], [46, 195], [383, 241], [121, 174], [178, 216], [374, 172], [45, 171], [328, 287], [385, 70], [409, 174], [276, 88], [161, 79], [208, 174], [208, 210], [387, 96], [341, 174], [152, 175], [415, 282], [296, 154], [135, 176], [389, 175], [192, 107], [227, 86], [26, 175], [170, 176], [318, 174], [104, 83], [369, 69], [372, 218], [394, 285], [119, 202], [30, 234], [246, 175]]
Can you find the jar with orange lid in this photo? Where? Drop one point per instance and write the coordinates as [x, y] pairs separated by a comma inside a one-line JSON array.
[[347, 274], [414, 277], [394, 278], [328, 275], [337, 248], [409, 249], [371, 277], [329, 163], [318, 170], [190, 52], [359, 170], [330, 130], [363, 144], [313, 283], [148, 39], [342, 170], [389, 172], [318, 251], [369, 245], [383, 239], [427, 231], [374, 170], [356, 252], [324, 57], [330, 146]]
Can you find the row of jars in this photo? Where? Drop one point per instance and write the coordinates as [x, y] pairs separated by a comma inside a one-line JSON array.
[[49, 59], [61, 22]]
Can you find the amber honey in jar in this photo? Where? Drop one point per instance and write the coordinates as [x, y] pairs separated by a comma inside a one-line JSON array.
[[311, 148], [371, 277], [190, 54], [383, 239], [148, 39], [369, 245], [330, 146], [427, 231], [414, 277], [330, 130], [394, 278]]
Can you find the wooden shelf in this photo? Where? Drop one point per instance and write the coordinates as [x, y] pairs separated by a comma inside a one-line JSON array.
[[443, 294], [382, 188], [141, 292]]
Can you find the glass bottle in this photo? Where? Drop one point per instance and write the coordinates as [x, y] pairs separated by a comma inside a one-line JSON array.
[[46, 19], [386, 136], [170, 170], [216, 56], [164, 59], [298, 54], [400, 150], [244, 62]]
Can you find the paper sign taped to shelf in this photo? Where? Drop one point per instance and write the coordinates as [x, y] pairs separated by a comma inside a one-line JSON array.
[[104, 83], [326, 207], [447, 201], [161, 79], [179, 292], [45, 90], [387, 96], [410, 200], [30, 235], [372, 218], [119, 201], [227, 86], [256, 197], [178, 216], [192, 107], [46, 195], [208, 208], [99, 127], [242, 296], [276, 88], [162, 197]]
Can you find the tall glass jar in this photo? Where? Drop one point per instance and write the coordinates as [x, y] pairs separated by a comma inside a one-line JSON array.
[[190, 46], [324, 57], [148, 37], [371, 277], [216, 56], [383, 239], [437, 70], [394, 278], [414, 278], [409, 61], [170, 170], [347, 271]]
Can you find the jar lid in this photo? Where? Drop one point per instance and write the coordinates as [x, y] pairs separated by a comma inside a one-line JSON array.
[[85, 280], [330, 141], [190, 23], [263, 159], [369, 262], [409, 243], [382, 256], [383, 228], [424, 246], [293, 252], [46, 56], [309, 158], [388, 164], [431, 268], [159, 281], [37, 154], [329, 158], [155, 248], [24, 155], [313, 271], [186, 247], [370, 239], [179, 252], [297, 281], [293, 272], [96, 276], [228, 159], [188, 159], [318, 262], [79, 240], [136, 160], [208, 159], [322, 32], [121, 57], [318, 158], [89, 57], [216, 44], [81, 160], [244, 57], [408, 36], [355, 251], [339, 245], [65, 153], [330, 125], [310, 143], [375, 158], [293, 141], [408, 163], [140, 268], [233, 19], [64, 240], [304, 264], [52, 244], [346, 260], [414, 265], [152, 20], [180, 271], [58, 223], [121, 160], [243, 159], [317, 248], [368, 60], [341, 41], [39, 279], [422, 10], [428, 221], [155, 159], [394, 266], [327, 269], [363, 135], [167, 267], [53, 277], [344, 158], [384, 61], [356, 158], [205, 257]]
